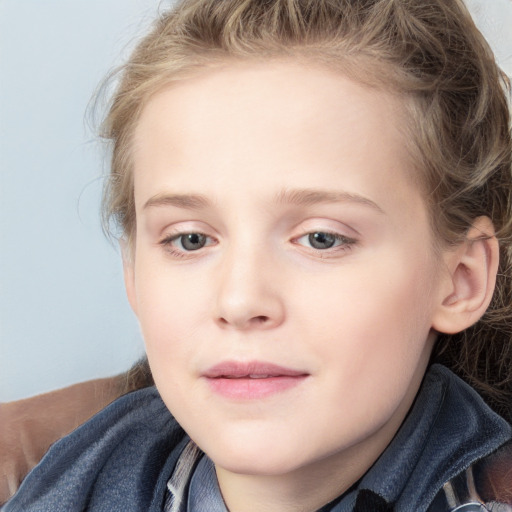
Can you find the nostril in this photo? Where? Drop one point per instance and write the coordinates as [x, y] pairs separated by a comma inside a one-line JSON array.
[[245, 322], [255, 320]]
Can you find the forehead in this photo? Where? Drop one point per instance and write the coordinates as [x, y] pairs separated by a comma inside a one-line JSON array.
[[232, 124]]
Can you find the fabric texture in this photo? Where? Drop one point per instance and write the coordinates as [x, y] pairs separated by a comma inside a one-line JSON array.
[[124, 458], [486, 485]]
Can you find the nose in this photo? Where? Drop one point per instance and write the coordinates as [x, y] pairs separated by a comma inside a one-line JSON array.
[[249, 295]]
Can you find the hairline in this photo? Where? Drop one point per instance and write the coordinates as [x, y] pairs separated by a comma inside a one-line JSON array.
[[364, 70]]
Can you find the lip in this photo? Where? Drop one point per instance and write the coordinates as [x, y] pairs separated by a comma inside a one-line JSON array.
[[252, 380]]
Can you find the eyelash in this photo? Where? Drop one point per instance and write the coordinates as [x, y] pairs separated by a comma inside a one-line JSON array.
[[344, 243], [167, 243]]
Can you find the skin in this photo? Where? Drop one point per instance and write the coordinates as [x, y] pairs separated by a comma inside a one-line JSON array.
[[249, 157]]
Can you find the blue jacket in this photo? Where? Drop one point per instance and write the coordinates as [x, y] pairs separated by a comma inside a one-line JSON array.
[[122, 459]]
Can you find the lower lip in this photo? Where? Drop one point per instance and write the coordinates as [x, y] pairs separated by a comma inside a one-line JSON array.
[[250, 389]]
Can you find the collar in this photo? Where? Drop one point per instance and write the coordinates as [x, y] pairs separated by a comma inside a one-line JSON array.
[[448, 428]]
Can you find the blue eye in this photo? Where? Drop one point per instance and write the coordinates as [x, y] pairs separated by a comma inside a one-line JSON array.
[[192, 241], [322, 240], [187, 242]]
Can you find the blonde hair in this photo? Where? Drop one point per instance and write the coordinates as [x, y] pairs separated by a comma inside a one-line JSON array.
[[427, 50]]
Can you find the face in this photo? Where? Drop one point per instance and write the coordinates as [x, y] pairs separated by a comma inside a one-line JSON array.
[[282, 273]]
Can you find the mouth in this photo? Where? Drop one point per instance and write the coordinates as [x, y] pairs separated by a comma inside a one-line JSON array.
[[252, 380]]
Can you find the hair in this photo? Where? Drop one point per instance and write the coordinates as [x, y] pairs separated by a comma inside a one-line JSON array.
[[427, 51], [137, 377]]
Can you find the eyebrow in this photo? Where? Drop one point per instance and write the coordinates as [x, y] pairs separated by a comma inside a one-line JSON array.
[[307, 197], [186, 201], [297, 197]]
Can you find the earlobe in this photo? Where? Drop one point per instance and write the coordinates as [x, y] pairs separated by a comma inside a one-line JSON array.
[[470, 279], [129, 274]]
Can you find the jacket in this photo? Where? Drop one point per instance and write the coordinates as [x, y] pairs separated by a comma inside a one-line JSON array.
[[122, 459]]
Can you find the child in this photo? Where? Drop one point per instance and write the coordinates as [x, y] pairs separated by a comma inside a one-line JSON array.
[[314, 199]]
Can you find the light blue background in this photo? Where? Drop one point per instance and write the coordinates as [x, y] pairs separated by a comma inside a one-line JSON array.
[[63, 314]]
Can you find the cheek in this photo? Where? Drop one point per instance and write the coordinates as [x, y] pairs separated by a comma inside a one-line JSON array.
[[171, 309], [372, 316], [169, 321], [373, 343]]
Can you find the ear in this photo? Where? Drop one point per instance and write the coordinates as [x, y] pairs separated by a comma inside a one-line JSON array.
[[128, 255], [470, 280]]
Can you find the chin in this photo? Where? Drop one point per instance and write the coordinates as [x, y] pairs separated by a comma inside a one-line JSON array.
[[254, 458], [259, 465]]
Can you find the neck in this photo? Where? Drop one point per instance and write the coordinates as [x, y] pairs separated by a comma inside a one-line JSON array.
[[305, 489], [250, 493]]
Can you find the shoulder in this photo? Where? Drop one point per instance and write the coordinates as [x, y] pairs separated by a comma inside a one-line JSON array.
[[486, 484], [493, 475], [115, 461], [453, 429]]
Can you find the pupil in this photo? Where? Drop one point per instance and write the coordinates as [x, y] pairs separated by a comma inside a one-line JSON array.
[[193, 241], [321, 240]]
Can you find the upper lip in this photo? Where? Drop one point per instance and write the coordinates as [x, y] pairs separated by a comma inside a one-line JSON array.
[[236, 369]]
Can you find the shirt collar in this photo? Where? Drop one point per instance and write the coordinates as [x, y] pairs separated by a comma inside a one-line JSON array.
[[204, 491]]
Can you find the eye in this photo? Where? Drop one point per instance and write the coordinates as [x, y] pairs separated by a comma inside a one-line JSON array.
[[187, 242], [192, 241], [322, 240]]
